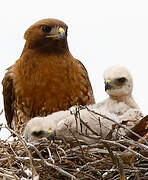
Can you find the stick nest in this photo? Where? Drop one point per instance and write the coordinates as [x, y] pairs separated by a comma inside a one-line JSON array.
[[123, 158]]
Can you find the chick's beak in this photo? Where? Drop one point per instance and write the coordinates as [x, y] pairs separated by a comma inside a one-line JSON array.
[[51, 134], [108, 84], [57, 33]]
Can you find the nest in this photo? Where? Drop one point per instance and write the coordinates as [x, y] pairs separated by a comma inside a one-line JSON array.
[[123, 158]]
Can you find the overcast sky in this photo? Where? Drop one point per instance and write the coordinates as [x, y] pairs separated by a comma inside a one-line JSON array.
[[101, 33]]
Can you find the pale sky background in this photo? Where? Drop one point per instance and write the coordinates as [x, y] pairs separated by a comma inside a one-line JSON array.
[[101, 33]]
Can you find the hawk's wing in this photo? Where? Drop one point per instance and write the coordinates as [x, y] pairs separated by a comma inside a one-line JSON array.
[[84, 73], [8, 96]]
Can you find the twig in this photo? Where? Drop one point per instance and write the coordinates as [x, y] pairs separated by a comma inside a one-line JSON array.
[[88, 127], [113, 142], [123, 126], [78, 145], [51, 165], [116, 160], [10, 164], [62, 150], [50, 156], [7, 176], [25, 146], [108, 172], [90, 164]]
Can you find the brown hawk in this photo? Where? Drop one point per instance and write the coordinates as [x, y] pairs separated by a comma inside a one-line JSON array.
[[46, 78]]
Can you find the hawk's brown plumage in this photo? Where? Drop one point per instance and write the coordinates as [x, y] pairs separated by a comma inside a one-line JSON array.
[[46, 78]]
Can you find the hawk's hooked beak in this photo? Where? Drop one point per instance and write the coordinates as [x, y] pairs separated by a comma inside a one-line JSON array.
[[61, 32], [57, 33], [108, 85], [51, 134]]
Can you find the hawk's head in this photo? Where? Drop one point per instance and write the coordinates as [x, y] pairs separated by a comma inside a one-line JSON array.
[[118, 81], [37, 128], [47, 35]]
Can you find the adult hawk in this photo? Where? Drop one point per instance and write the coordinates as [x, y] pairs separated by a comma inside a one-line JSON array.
[[46, 78]]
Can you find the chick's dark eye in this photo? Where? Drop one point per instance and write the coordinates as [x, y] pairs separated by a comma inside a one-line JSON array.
[[46, 29], [37, 133], [121, 80]]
